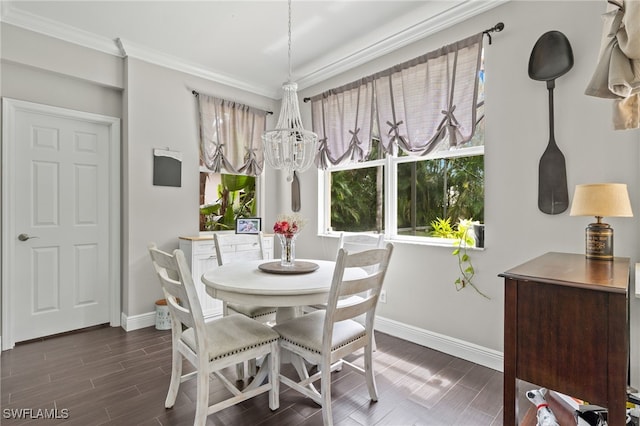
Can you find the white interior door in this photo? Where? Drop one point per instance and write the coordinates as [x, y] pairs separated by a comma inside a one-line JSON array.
[[59, 226]]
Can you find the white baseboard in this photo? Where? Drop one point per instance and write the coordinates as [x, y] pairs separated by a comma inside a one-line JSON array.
[[450, 345], [459, 348], [136, 322]]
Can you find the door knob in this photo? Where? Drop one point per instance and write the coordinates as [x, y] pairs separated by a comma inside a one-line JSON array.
[[25, 237]]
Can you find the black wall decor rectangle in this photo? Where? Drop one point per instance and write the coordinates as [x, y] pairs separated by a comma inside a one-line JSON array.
[[167, 168]]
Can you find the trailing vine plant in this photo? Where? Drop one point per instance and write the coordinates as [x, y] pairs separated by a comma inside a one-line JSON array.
[[442, 228]]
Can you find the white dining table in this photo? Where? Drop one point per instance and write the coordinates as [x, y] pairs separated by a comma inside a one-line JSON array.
[[244, 283]]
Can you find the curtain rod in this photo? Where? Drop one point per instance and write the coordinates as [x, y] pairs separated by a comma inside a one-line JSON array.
[[617, 4], [496, 28], [196, 94]]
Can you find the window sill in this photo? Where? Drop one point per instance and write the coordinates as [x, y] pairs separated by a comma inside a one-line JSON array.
[[418, 241], [429, 241]]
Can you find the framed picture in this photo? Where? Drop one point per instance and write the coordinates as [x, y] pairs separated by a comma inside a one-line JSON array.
[[248, 225]]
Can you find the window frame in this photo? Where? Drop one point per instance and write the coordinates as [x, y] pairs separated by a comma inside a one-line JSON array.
[[390, 163]]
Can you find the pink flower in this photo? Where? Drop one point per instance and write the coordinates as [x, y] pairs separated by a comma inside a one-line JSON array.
[[288, 226]]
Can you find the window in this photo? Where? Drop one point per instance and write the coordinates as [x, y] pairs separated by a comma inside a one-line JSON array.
[[400, 194], [225, 198], [450, 185], [413, 191], [230, 159], [357, 199]]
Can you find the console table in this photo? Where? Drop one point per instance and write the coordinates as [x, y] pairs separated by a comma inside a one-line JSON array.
[[566, 329]]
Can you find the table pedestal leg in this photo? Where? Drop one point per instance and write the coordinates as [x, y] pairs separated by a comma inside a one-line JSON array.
[[284, 314]]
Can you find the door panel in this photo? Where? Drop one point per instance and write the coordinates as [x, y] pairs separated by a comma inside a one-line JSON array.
[[61, 177], [46, 285]]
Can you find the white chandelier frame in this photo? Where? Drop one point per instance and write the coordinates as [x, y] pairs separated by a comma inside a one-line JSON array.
[[289, 146]]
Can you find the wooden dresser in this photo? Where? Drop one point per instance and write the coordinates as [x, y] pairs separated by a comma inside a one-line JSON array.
[[566, 329]]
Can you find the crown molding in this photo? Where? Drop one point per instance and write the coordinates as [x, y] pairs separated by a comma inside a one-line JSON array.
[[398, 40], [128, 48], [310, 77], [121, 48], [55, 29]]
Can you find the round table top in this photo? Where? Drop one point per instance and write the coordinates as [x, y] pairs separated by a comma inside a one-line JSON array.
[[245, 277]]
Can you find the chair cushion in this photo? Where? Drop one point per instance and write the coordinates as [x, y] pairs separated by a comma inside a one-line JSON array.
[[232, 334], [306, 331], [250, 310]]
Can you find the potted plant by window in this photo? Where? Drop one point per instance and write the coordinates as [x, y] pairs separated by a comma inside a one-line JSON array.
[[464, 236]]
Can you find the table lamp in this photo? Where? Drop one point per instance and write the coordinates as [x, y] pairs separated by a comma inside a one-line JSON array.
[[600, 200]]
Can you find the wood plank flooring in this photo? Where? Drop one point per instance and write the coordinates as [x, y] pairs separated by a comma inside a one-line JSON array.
[[107, 376]]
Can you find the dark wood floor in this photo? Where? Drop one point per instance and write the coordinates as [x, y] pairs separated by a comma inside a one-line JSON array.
[[109, 377]]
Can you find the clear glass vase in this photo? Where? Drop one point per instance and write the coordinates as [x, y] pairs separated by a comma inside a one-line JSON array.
[[288, 249]]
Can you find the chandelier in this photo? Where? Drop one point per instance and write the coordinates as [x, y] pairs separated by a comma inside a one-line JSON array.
[[289, 147]]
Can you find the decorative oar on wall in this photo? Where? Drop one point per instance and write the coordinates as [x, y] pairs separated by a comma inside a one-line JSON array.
[[551, 58]]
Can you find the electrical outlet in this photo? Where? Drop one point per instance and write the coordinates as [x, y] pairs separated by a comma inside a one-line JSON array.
[[383, 296]]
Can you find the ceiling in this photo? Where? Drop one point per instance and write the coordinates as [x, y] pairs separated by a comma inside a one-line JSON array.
[[244, 43]]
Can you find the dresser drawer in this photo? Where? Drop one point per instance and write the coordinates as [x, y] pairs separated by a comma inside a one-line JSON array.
[[204, 247]]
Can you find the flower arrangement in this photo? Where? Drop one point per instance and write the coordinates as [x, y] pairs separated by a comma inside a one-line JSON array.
[[288, 225], [287, 228]]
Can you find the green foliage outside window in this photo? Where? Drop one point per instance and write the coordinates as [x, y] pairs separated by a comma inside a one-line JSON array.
[[356, 200], [236, 199], [443, 188]]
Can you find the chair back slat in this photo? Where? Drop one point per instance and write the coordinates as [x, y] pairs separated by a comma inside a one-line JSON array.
[[353, 310], [178, 301], [356, 286], [357, 242], [363, 259], [234, 247], [360, 241]]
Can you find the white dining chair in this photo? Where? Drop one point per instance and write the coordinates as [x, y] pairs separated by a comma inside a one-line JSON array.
[[354, 243], [213, 345], [231, 247], [325, 337]]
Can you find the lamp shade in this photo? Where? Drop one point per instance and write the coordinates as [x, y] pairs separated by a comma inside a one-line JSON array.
[[601, 200]]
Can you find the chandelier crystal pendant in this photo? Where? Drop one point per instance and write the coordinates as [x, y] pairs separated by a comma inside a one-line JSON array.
[[289, 146]]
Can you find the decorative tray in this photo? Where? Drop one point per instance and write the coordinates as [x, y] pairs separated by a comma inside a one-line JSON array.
[[299, 267]]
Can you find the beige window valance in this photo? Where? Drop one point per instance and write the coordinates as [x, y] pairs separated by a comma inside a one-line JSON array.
[[231, 136], [413, 105]]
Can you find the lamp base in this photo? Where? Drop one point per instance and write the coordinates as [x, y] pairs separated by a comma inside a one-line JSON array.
[[599, 241]]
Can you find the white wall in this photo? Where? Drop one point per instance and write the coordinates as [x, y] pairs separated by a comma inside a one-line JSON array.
[[420, 290]]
